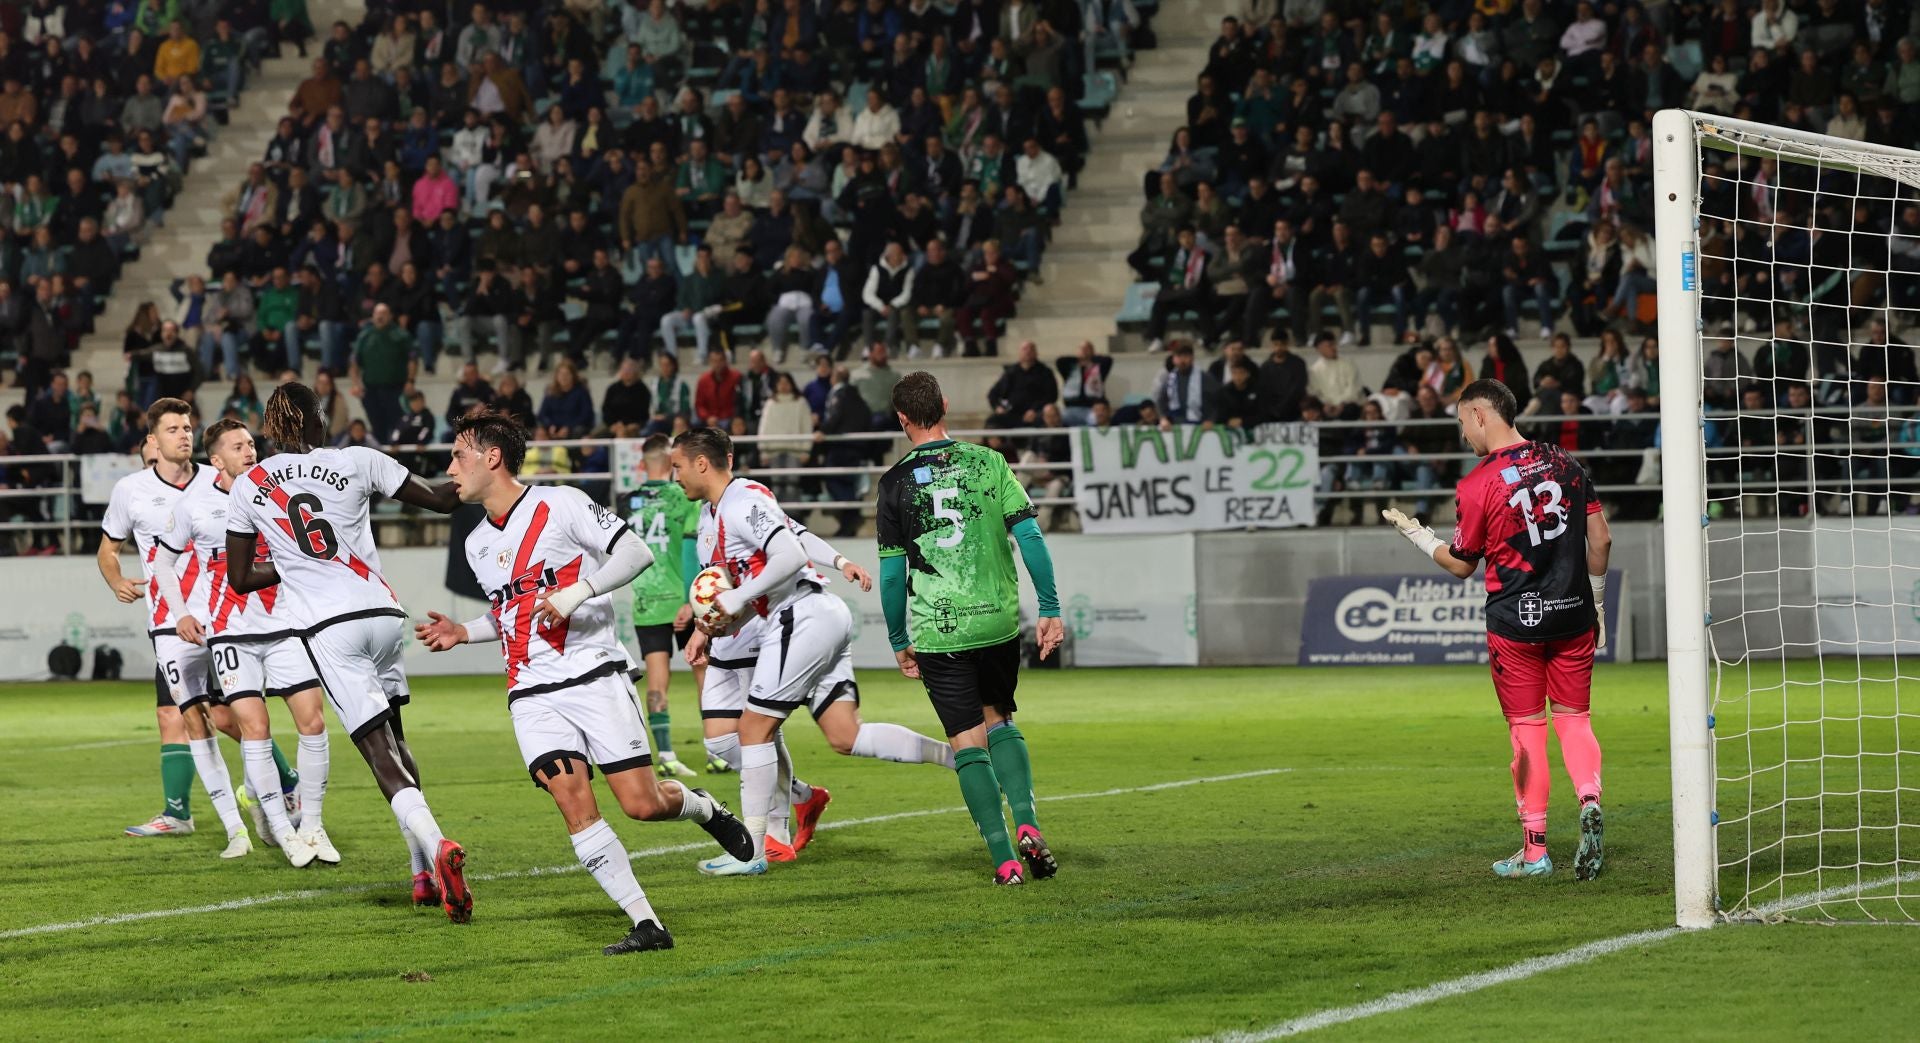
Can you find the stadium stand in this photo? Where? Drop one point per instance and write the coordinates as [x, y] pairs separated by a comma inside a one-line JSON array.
[[439, 205]]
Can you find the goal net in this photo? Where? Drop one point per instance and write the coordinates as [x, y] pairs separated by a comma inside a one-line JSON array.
[[1789, 269]]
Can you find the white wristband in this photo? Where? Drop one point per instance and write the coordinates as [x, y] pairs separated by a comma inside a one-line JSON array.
[[568, 598]]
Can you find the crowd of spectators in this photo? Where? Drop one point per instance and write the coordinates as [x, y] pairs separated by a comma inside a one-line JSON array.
[[103, 107], [598, 181], [613, 179], [1478, 168]]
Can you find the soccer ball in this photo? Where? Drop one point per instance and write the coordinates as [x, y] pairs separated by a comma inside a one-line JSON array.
[[708, 585]]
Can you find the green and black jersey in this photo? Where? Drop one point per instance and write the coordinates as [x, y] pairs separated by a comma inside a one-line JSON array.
[[661, 515], [948, 507]]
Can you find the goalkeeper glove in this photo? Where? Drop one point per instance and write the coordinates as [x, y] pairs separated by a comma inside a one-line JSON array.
[[1419, 535], [1599, 584]]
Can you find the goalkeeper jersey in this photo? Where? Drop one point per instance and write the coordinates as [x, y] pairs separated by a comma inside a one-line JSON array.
[[948, 506], [661, 514], [1524, 509]]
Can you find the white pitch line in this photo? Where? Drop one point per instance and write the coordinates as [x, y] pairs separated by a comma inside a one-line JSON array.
[[1399, 1001], [1828, 894], [1410, 998], [571, 867]]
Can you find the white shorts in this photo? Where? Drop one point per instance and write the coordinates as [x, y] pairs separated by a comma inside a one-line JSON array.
[[596, 721], [254, 669], [725, 691], [181, 670], [804, 655], [358, 663]]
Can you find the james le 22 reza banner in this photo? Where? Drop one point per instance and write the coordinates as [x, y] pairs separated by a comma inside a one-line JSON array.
[[1420, 619], [1140, 479]]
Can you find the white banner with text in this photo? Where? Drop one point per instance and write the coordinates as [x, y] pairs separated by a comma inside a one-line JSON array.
[[1187, 479]]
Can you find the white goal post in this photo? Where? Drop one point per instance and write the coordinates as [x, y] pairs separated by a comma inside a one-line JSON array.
[[1789, 466]]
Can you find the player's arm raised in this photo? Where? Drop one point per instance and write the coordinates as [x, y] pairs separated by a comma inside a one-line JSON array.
[[1422, 537]]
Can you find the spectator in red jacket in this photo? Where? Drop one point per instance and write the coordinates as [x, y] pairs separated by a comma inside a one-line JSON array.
[[716, 395]]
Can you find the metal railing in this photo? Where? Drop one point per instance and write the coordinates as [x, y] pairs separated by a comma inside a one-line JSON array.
[[1734, 470]]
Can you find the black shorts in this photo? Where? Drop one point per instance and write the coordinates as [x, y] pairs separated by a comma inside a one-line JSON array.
[[961, 683], [162, 699], [654, 638]]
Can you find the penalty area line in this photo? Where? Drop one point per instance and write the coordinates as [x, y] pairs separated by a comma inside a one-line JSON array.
[[574, 867]]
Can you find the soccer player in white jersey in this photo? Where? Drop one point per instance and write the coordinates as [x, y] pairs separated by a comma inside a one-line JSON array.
[[548, 557], [806, 640], [312, 506], [141, 508], [797, 805], [256, 654]]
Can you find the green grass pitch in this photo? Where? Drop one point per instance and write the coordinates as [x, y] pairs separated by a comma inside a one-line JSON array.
[[1355, 869]]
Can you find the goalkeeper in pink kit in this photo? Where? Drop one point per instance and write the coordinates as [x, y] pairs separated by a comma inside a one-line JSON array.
[[1528, 509]]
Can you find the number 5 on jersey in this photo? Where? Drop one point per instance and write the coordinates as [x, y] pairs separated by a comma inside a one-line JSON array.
[[945, 513]]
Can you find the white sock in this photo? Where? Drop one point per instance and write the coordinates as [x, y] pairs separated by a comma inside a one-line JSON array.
[[891, 742], [600, 850], [313, 760], [417, 825], [218, 783], [726, 747], [695, 806], [263, 778], [780, 815], [759, 778]]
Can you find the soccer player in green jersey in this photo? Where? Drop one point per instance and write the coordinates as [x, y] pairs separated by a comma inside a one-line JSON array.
[[660, 514], [945, 512]]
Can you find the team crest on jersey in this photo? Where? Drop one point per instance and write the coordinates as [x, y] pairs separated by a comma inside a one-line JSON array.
[[1532, 612], [503, 559]]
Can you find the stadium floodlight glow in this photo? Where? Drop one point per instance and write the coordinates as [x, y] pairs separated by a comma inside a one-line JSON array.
[[1792, 578]]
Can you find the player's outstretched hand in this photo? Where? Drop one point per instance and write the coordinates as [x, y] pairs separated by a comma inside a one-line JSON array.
[[189, 630], [696, 651], [1419, 535], [127, 591], [909, 666], [1049, 631], [856, 574], [439, 633]]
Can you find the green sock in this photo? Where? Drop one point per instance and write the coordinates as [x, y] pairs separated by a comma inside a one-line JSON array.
[[176, 778], [1008, 748], [661, 726], [289, 779], [982, 792]]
